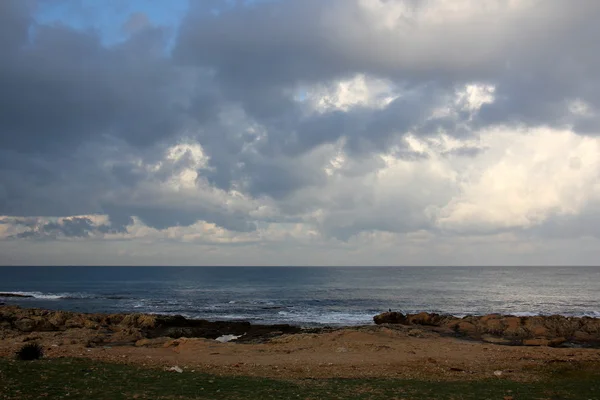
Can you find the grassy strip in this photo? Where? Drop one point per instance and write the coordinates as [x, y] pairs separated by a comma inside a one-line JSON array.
[[85, 379]]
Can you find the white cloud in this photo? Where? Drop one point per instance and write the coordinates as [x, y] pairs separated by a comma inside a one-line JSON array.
[[359, 90], [524, 178]]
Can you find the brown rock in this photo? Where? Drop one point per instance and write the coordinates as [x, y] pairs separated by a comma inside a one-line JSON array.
[[130, 335], [390, 318], [415, 333], [73, 323], [25, 325], [466, 328], [491, 324], [89, 324], [146, 321], [584, 337], [513, 328], [428, 319], [58, 319], [139, 321], [42, 324]]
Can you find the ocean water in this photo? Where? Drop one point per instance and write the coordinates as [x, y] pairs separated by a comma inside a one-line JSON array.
[[307, 296]]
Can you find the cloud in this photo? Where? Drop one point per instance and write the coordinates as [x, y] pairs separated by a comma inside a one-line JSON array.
[[341, 124], [70, 227], [536, 54], [526, 178]]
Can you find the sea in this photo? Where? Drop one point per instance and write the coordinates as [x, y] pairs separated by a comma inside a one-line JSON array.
[[307, 296]]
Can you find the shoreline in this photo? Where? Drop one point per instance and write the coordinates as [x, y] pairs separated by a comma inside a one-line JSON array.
[[408, 350], [535, 330]]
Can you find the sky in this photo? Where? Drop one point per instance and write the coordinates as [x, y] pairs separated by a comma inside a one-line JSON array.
[[299, 132]]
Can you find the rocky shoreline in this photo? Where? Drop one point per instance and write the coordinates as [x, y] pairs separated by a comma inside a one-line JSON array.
[[122, 329], [553, 330], [97, 330]]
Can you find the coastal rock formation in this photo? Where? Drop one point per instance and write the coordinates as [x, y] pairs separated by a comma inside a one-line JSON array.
[[15, 295], [553, 330], [99, 329], [390, 318]]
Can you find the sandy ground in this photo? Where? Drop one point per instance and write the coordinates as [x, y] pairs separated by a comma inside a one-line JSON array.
[[374, 351]]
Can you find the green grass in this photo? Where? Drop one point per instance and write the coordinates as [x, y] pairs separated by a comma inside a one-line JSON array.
[[85, 379]]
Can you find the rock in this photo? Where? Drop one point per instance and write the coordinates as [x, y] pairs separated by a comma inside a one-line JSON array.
[[513, 327], [535, 326], [88, 324], [415, 333], [25, 325], [557, 341], [498, 373], [43, 325], [175, 369], [58, 319], [146, 321], [73, 323], [492, 324], [15, 295], [466, 328], [130, 335], [500, 329], [584, 337], [427, 319], [129, 328], [390, 318]]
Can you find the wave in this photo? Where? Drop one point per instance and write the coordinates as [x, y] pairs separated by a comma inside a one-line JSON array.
[[265, 311], [63, 296], [38, 295]]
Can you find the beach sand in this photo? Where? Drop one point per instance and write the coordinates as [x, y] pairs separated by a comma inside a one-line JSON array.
[[358, 352]]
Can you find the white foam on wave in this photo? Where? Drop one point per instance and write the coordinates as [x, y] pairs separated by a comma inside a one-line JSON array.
[[325, 318], [38, 295], [50, 296], [527, 314], [593, 314]]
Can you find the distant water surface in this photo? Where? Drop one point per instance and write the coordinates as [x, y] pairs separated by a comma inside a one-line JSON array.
[[307, 296]]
